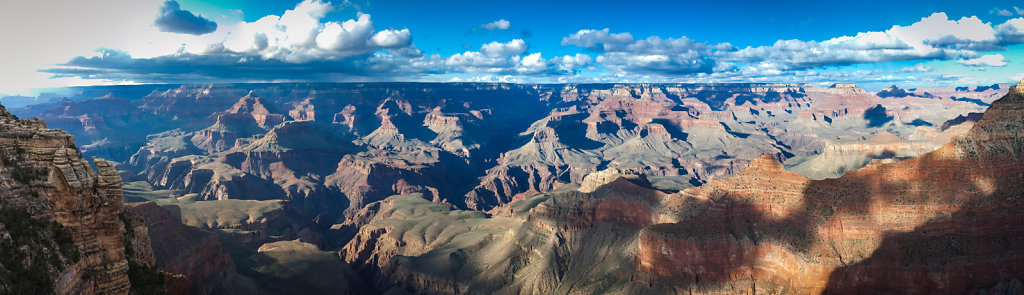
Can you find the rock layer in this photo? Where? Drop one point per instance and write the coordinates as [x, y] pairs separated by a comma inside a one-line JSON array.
[[943, 222], [86, 202]]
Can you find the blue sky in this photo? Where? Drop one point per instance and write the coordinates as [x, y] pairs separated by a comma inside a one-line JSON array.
[[872, 43]]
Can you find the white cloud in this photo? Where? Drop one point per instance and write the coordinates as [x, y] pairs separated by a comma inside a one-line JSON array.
[[494, 57], [390, 38], [571, 63], [506, 58], [476, 62], [1011, 31], [334, 36], [300, 35], [500, 24], [596, 39], [672, 56], [303, 41], [931, 33], [533, 64], [933, 37], [991, 60], [498, 49]]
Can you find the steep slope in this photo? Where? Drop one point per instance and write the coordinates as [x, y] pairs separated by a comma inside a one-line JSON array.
[[195, 261], [943, 222], [695, 131], [326, 156], [45, 180]]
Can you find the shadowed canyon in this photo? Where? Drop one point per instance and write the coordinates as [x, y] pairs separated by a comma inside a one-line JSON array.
[[492, 188]]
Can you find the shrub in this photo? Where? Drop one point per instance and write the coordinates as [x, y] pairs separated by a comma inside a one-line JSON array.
[[44, 244]]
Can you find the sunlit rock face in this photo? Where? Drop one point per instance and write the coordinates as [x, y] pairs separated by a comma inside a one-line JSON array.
[[942, 222], [44, 175], [570, 188], [500, 142]]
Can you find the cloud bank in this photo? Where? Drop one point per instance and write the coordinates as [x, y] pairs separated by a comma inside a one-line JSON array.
[[302, 44]]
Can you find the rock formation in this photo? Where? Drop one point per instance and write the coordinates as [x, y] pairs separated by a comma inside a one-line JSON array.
[[943, 222], [45, 176], [332, 154], [195, 261]]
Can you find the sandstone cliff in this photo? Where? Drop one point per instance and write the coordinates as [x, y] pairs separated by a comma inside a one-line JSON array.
[[194, 260], [45, 176], [943, 222]]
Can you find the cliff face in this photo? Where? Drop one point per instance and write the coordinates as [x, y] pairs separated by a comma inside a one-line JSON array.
[[940, 222], [194, 260], [50, 180], [943, 222], [336, 152]]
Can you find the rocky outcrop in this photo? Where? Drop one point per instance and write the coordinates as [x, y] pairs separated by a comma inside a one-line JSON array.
[[44, 166], [916, 225], [194, 259], [516, 140], [943, 222], [334, 150], [106, 126], [839, 157], [368, 177]]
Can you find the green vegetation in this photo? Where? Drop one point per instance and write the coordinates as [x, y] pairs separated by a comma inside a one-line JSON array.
[[144, 279], [34, 251]]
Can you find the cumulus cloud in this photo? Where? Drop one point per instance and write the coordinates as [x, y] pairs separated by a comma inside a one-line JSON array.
[[500, 24], [572, 63], [391, 38], [498, 49], [298, 43], [506, 58], [173, 19], [299, 35], [1011, 31], [494, 57], [991, 60], [476, 62], [654, 55]]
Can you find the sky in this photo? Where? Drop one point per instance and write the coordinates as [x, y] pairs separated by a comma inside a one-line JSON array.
[[49, 44]]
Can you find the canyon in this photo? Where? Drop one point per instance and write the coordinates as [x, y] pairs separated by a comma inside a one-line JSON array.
[[61, 228], [941, 222], [458, 188]]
